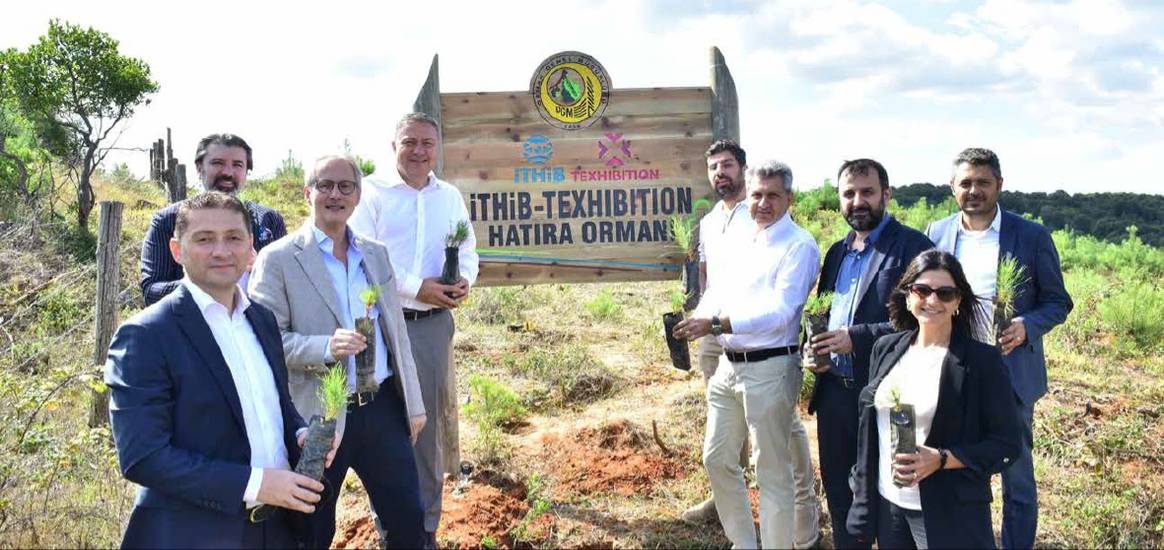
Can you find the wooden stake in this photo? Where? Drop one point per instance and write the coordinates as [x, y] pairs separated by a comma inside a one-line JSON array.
[[108, 280]]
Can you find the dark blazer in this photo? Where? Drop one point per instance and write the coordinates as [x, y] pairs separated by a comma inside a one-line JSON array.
[[977, 423], [160, 274], [895, 247], [178, 424], [1042, 300]]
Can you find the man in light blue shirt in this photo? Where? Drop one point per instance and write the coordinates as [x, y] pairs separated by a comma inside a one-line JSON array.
[[312, 281]]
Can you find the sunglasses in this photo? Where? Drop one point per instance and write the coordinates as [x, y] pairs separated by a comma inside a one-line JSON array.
[[946, 293]]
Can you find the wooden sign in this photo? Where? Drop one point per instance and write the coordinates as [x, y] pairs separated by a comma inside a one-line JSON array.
[[562, 187]]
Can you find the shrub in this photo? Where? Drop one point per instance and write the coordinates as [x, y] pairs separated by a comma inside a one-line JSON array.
[[1136, 314], [603, 307], [493, 404]]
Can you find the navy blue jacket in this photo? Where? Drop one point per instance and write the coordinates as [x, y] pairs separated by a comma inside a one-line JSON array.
[[160, 274], [895, 247], [1042, 300], [178, 424], [977, 423]]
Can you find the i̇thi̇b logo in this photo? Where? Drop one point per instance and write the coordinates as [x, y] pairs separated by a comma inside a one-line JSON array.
[[571, 90]]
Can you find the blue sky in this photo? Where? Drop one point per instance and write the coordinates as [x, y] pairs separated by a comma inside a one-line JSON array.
[[1069, 93]]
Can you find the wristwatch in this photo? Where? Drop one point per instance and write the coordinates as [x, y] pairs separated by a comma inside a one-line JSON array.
[[942, 456], [716, 328]]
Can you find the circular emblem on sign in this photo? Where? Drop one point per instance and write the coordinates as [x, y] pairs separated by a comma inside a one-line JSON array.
[[571, 90]]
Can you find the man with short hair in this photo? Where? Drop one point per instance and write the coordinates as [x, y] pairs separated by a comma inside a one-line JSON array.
[[726, 223], [861, 270], [981, 235], [199, 405], [313, 281], [412, 212], [755, 311], [222, 161]]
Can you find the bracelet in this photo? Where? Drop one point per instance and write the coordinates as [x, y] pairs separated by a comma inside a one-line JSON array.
[[942, 456]]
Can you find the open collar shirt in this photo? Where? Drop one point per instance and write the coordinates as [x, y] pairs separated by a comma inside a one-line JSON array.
[[413, 225], [848, 283], [722, 224], [766, 280], [978, 252], [253, 380], [349, 282]]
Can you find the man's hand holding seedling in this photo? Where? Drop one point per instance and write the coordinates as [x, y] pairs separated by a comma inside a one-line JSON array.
[[833, 341], [346, 342], [290, 490], [446, 296], [1013, 336]]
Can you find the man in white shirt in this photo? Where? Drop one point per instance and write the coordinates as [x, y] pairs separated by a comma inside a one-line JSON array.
[[199, 406], [412, 212], [313, 281], [729, 222], [755, 312]]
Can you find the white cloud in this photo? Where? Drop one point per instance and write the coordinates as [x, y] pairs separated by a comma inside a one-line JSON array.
[[1039, 81]]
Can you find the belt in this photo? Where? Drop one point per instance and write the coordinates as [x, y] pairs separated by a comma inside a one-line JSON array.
[[846, 381], [414, 314], [759, 354], [359, 399]]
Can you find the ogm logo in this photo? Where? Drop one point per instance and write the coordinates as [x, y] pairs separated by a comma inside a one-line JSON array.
[[570, 90], [537, 149]]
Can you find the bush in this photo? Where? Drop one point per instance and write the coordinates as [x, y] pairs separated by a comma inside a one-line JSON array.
[[603, 307], [571, 373], [1136, 314], [492, 403]]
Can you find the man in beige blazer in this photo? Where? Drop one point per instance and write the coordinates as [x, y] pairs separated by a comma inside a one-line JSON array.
[[312, 279]]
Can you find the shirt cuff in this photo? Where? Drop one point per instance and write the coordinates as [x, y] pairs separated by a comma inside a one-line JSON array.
[[251, 494]]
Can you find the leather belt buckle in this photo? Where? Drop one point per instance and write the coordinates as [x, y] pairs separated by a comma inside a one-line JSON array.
[[362, 398], [847, 382]]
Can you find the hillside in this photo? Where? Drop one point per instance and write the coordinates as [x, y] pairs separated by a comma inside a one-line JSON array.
[[578, 383], [1106, 216]]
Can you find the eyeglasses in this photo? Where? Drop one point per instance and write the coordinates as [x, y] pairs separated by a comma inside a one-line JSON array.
[[345, 187], [946, 293]]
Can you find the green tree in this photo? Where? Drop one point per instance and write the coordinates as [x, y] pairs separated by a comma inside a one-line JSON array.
[[75, 88]]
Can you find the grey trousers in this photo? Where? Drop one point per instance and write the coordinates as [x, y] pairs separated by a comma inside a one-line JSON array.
[[432, 349], [807, 511]]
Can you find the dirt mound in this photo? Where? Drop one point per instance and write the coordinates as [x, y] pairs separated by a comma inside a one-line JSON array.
[[359, 533], [485, 509], [613, 458]]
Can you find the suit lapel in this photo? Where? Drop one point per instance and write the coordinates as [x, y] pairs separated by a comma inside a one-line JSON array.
[[311, 260], [876, 258], [376, 276], [194, 326], [949, 407]]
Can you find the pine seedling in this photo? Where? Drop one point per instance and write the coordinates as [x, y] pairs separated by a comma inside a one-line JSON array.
[[683, 231], [819, 304], [1010, 276], [677, 299], [370, 296], [458, 235], [333, 391]]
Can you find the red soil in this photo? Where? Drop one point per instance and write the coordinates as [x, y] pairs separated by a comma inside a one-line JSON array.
[[613, 458]]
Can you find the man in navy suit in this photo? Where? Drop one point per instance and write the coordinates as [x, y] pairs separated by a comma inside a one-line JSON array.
[[222, 161], [980, 236], [861, 270], [199, 405]]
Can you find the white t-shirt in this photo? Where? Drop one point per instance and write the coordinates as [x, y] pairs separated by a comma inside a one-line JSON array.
[[916, 376]]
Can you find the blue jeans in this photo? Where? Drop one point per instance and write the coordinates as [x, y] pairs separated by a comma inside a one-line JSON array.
[[1020, 502]]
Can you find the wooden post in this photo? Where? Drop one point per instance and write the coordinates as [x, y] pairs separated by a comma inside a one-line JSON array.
[[428, 101], [108, 280], [725, 106], [178, 188]]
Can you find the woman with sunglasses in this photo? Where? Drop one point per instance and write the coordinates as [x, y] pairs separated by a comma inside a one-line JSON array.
[[966, 422]]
